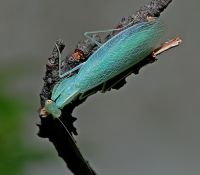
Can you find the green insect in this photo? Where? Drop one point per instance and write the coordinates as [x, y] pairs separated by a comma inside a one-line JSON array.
[[115, 56]]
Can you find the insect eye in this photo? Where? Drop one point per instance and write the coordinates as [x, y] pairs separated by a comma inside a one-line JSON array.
[[49, 101]]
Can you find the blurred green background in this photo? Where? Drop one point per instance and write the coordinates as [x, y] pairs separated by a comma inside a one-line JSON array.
[[150, 126]]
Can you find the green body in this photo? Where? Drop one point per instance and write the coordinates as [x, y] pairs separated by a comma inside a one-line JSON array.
[[115, 56]]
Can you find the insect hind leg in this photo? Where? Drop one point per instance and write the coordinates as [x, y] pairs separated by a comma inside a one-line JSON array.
[[92, 38]]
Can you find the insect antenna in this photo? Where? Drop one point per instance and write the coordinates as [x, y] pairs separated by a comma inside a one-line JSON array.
[[64, 126], [74, 142], [59, 60]]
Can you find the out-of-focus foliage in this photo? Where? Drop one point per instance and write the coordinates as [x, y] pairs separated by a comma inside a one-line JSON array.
[[14, 152]]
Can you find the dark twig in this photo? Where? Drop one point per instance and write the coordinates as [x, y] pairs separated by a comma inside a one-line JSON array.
[[52, 128]]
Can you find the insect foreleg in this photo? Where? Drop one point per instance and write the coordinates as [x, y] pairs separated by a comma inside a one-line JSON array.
[[72, 70], [60, 65]]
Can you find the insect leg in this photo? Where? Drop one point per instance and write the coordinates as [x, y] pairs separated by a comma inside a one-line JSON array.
[[87, 34], [72, 70], [60, 62], [84, 95]]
